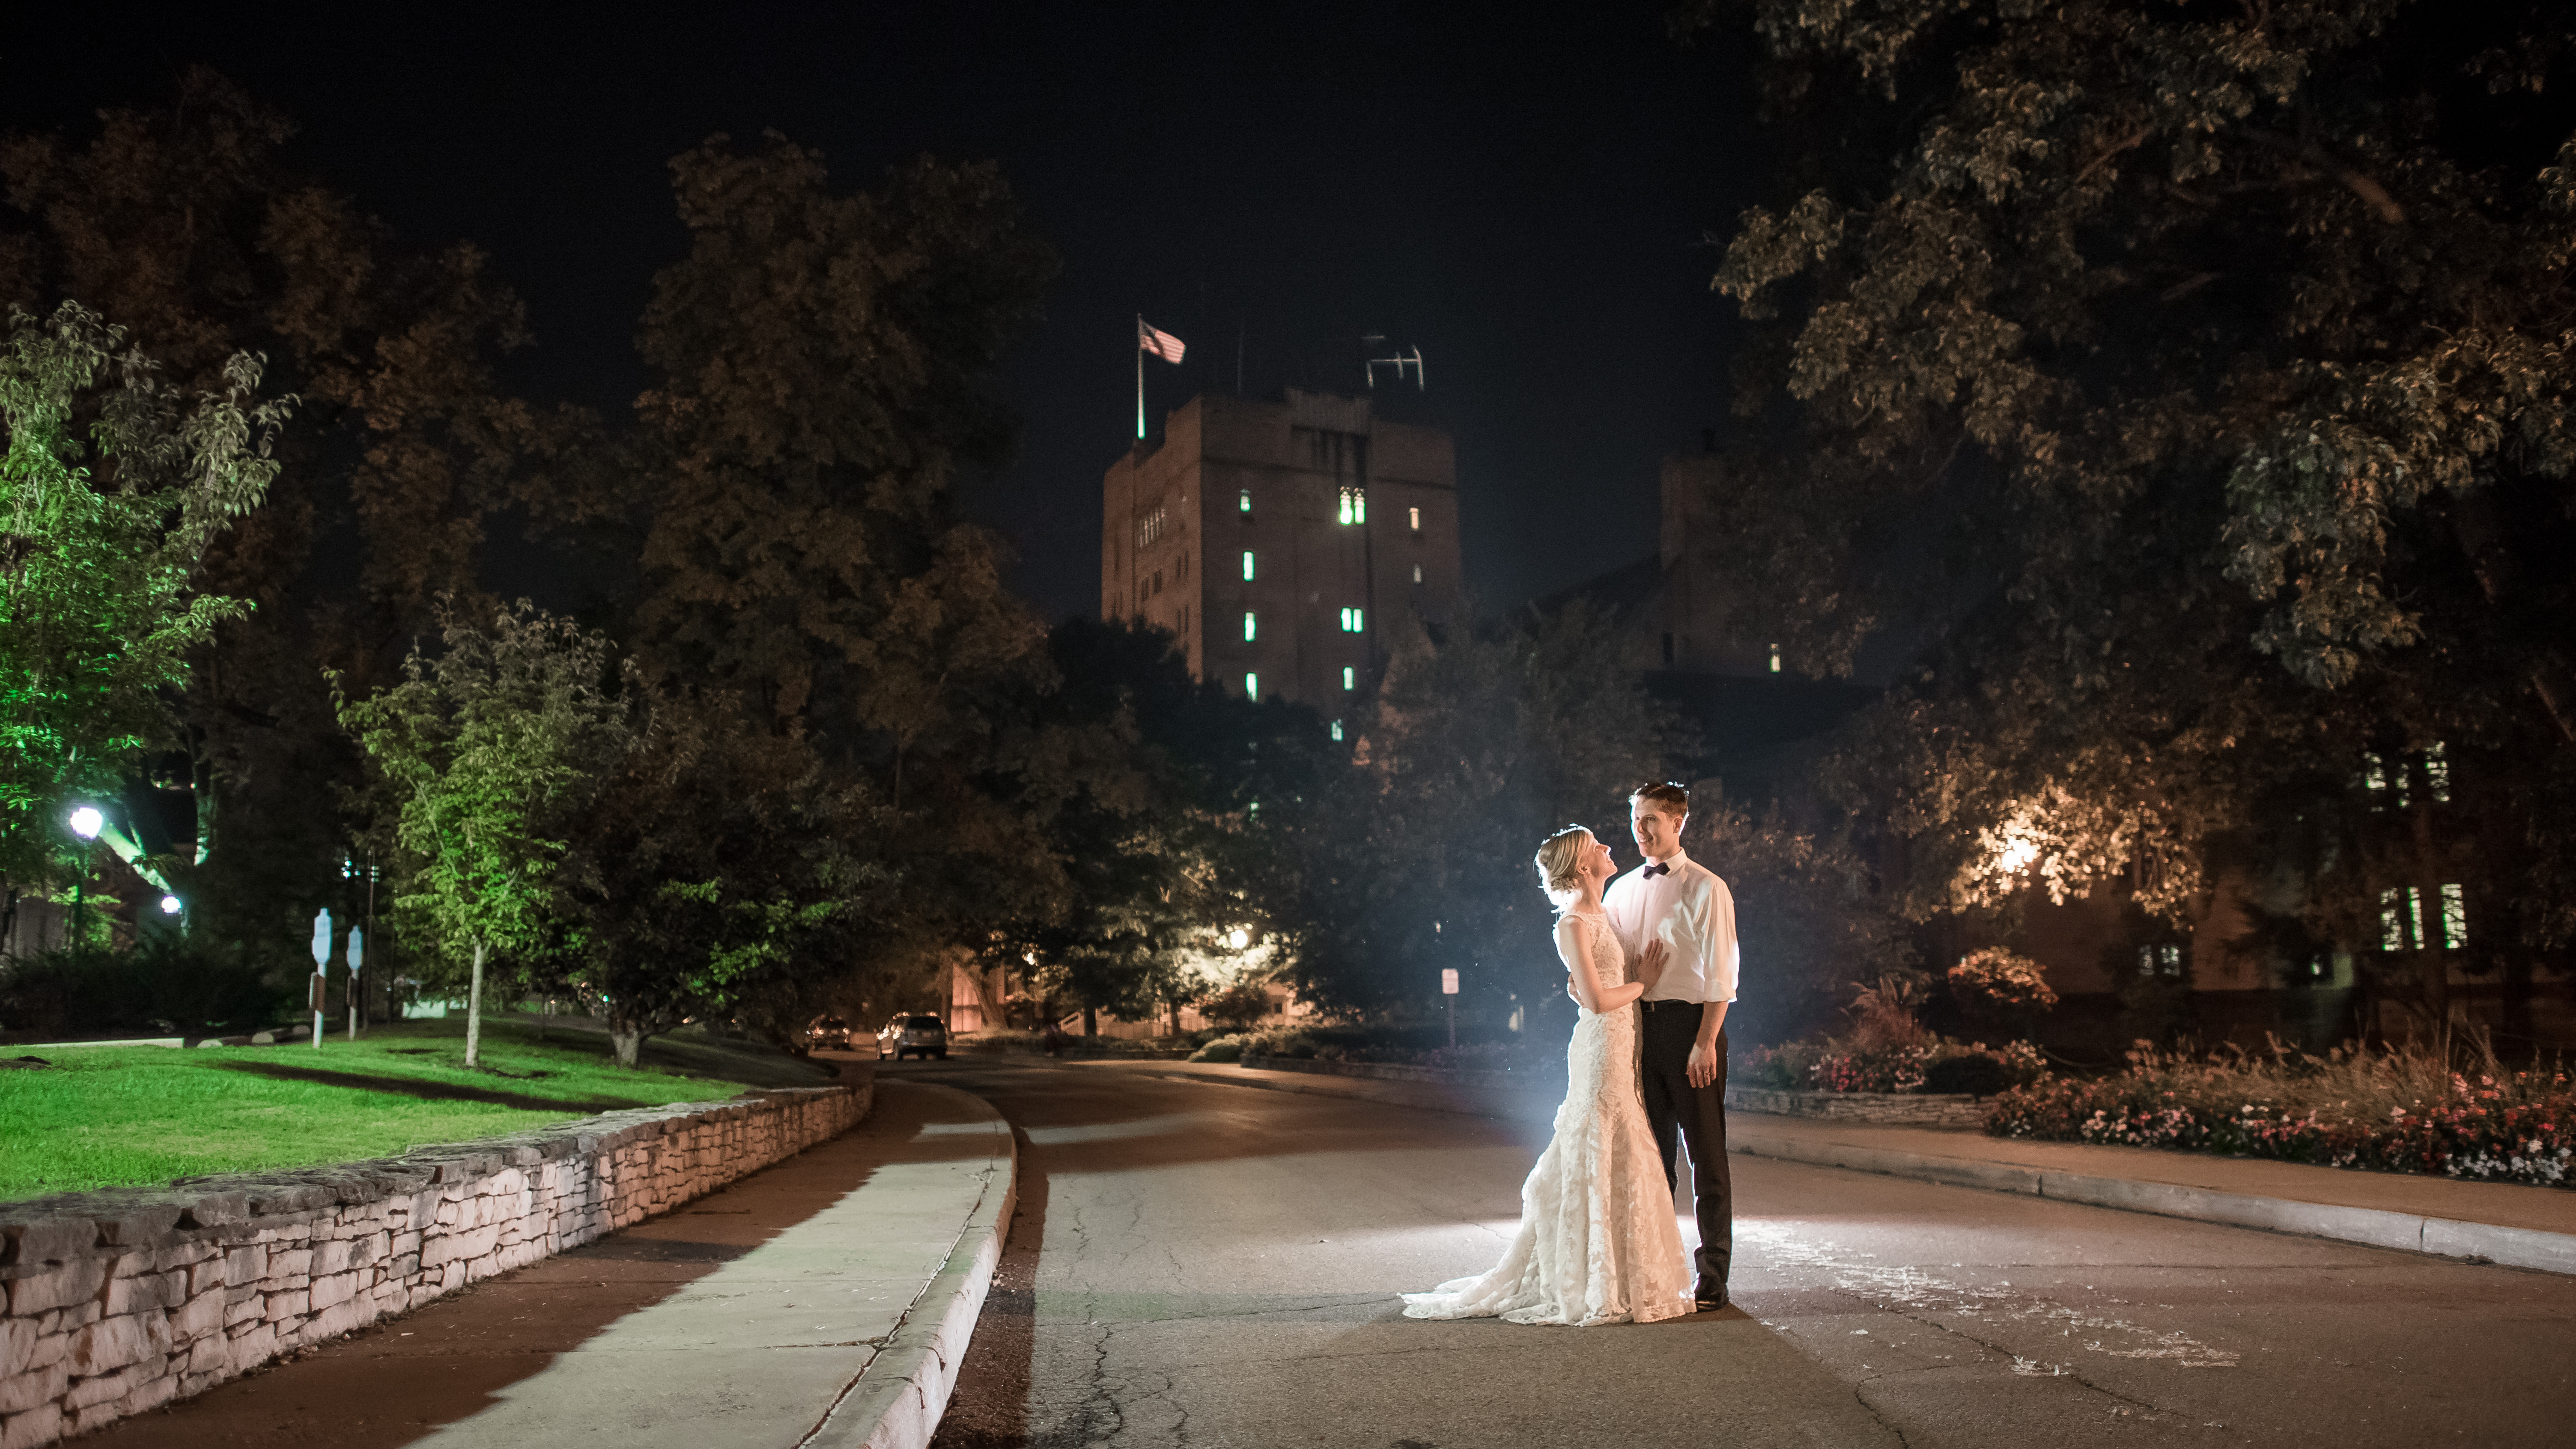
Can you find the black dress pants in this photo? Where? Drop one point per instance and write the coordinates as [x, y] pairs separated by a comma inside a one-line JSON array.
[[1699, 1115]]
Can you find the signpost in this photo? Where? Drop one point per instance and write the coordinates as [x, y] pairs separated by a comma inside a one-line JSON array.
[[357, 966], [1449, 988], [321, 963]]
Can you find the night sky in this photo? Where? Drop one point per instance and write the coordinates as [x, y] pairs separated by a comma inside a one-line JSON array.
[[1523, 196]]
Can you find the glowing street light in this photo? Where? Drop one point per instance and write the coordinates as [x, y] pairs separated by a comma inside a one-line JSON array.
[[86, 823], [169, 905], [1238, 938]]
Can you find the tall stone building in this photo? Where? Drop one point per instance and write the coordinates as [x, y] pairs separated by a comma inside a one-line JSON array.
[[1284, 543]]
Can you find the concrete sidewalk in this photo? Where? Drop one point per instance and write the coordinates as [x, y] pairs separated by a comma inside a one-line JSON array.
[[824, 1301], [2524, 1227]]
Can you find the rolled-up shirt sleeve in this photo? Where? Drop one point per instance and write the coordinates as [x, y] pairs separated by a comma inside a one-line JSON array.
[[1718, 937]]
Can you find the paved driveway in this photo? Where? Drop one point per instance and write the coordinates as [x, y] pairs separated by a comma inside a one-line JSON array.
[[1209, 1265]]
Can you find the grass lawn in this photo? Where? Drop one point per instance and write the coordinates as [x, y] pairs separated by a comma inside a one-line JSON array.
[[139, 1116]]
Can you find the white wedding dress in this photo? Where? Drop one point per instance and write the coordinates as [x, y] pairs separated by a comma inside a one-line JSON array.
[[1597, 1242]]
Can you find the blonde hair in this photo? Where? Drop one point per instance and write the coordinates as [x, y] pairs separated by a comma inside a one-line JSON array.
[[1560, 864]]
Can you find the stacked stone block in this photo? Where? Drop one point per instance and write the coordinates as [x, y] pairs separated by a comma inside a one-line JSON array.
[[1907, 1109], [119, 1301]]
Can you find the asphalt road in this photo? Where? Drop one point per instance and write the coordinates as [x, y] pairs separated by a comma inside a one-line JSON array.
[[1214, 1266]]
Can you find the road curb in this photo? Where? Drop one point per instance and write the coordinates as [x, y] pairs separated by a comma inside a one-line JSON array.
[[2373, 1227], [897, 1400]]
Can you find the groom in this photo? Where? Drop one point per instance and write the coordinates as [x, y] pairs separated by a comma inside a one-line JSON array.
[[1682, 1067]]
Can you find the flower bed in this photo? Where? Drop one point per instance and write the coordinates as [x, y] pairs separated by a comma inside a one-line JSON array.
[[2335, 1111]]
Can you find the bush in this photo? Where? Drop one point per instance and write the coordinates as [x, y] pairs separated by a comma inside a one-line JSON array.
[[1223, 1049], [1930, 1065], [1238, 1006], [2395, 1111], [165, 985], [1998, 978], [1976, 1076]]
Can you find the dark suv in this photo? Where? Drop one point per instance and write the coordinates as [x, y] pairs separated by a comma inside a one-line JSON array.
[[913, 1035]]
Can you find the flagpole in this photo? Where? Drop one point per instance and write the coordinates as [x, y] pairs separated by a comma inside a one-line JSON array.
[[1140, 377]]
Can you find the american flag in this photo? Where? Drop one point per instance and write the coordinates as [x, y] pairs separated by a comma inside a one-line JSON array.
[[1159, 342]]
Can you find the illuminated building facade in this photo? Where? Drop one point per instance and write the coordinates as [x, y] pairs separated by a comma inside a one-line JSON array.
[[1284, 543]]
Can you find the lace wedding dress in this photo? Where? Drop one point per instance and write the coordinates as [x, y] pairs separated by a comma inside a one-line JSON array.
[[1597, 1242]]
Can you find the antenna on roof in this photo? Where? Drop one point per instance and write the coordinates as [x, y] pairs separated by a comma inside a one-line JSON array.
[[1399, 362]]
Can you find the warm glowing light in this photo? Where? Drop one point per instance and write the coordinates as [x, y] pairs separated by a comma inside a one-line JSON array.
[[1238, 938], [2017, 855], [87, 823]]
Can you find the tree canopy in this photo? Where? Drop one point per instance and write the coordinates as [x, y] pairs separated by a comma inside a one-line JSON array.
[[2195, 379], [104, 532]]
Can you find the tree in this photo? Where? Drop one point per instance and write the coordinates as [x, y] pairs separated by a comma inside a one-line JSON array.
[[102, 553], [2201, 373], [1417, 858], [485, 752], [186, 226], [825, 366], [722, 870], [1139, 786]]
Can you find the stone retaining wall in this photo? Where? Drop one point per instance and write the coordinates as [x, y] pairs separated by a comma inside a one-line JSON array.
[[1914, 1109], [118, 1301]]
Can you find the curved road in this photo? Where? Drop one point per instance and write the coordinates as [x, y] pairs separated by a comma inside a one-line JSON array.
[[1199, 1264]]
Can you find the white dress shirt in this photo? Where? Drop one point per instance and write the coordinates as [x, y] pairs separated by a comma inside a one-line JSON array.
[[1693, 913]]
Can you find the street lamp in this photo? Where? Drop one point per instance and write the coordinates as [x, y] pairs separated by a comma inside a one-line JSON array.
[[86, 823]]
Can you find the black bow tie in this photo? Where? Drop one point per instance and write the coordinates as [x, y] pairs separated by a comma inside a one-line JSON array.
[[1656, 870]]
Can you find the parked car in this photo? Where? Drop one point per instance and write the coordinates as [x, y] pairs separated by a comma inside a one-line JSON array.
[[829, 1034], [913, 1034]]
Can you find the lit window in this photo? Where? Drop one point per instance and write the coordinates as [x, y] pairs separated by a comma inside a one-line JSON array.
[[2437, 775], [1337, 729], [1415, 515], [1247, 500], [2384, 780], [2396, 910], [1247, 566], [1350, 677], [1247, 626], [1152, 527], [2455, 918], [1775, 658], [1252, 691], [1354, 505], [1353, 621], [2159, 960], [1417, 573]]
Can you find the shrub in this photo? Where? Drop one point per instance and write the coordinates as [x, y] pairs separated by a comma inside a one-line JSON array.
[[166, 984], [1934, 1064], [1997, 977], [1223, 1049], [1237, 1006]]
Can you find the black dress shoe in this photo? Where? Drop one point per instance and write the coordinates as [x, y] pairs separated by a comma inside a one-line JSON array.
[[1713, 1305]]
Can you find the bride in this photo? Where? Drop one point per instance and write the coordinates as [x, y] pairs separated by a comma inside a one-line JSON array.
[[1597, 1242]]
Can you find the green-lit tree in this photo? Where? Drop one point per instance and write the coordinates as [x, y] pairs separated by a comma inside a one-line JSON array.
[[113, 489], [188, 224], [485, 751]]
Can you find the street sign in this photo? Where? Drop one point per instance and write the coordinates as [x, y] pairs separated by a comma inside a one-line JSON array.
[[321, 964], [1448, 981]]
